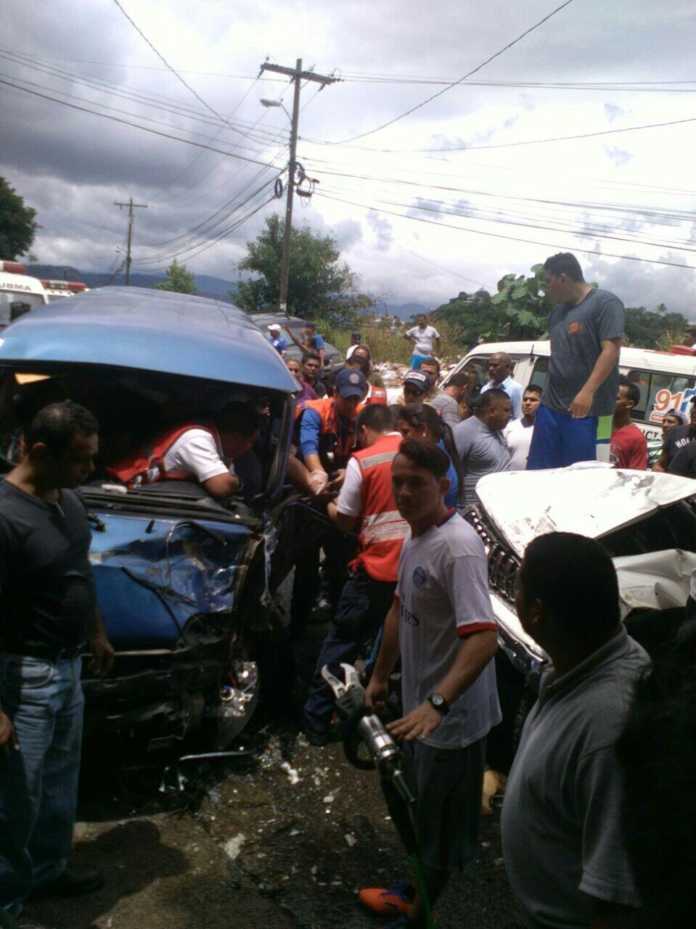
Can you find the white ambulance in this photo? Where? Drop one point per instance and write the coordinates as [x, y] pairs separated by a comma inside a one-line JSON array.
[[666, 380], [19, 292]]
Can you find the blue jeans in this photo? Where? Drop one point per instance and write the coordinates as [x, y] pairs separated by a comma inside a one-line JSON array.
[[38, 782], [361, 611], [417, 360], [560, 440]]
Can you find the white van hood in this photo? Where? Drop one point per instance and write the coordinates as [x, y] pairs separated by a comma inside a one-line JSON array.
[[590, 498]]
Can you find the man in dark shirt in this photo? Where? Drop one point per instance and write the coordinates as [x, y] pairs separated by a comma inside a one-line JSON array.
[[676, 443], [48, 617], [586, 329]]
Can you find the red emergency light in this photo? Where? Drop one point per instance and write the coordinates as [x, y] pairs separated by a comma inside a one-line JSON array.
[[12, 267]]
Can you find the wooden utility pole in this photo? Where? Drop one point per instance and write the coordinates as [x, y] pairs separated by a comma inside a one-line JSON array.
[[297, 75], [131, 206]]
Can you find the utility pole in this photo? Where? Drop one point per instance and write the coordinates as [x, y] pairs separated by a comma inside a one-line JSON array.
[[131, 206], [297, 75]]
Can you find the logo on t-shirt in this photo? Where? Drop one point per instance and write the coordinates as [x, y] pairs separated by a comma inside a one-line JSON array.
[[420, 577], [408, 617], [575, 327]]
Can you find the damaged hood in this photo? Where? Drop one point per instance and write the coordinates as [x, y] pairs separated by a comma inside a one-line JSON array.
[[591, 498]]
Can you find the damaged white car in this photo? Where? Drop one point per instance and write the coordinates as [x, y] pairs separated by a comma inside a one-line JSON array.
[[645, 519]]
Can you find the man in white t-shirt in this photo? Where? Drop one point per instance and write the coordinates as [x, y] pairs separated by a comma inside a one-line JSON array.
[[425, 340], [202, 452], [518, 432], [443, 628]]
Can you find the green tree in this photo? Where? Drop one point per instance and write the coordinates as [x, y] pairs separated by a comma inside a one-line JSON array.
[[320, 284], [656, 328], [519, 310], [17, 223], [178, 279]]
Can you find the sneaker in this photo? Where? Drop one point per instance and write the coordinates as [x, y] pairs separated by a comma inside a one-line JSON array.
[[389, 901], [73, 882]]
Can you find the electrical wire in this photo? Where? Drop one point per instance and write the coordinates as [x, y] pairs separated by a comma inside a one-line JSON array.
[[365, 77], [439, 93], [231, 206], [523, 142], [167, 65], [125, 122], [500, 235], [194, 251], [680, 215], [260, 136]]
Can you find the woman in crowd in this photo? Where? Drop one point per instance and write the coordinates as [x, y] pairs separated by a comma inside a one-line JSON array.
[[420, 421]]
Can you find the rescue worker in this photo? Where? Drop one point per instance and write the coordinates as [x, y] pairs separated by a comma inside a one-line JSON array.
[[366, 500], [326, 429], [198, 451]]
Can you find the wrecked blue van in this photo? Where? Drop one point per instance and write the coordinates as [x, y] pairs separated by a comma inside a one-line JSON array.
[[184, 582]]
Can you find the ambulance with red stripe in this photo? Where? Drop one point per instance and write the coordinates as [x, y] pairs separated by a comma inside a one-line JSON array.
[[19, 292]]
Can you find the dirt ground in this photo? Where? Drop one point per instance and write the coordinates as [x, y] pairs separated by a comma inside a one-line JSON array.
[[280, 840]]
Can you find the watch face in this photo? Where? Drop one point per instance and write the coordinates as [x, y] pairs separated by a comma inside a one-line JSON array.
[[437, 700]]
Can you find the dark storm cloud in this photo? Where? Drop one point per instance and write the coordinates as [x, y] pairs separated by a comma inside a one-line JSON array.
[[72, 166]]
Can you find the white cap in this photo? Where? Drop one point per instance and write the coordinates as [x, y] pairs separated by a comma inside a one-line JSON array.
[[273, 327], [349, 353]]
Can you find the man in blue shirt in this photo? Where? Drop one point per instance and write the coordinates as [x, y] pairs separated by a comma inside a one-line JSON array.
[[310, 340], [500, 376], [586, 329]]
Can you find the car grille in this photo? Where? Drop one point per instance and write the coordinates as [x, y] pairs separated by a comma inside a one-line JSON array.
[[503, 564]]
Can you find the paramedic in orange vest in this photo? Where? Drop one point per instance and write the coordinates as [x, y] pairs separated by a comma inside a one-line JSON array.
[[197, 451], [366, 500], [327, 429]]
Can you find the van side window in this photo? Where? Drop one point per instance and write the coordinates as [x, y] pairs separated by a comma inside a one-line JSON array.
[[667, 391], [540, 373], [479, 365]]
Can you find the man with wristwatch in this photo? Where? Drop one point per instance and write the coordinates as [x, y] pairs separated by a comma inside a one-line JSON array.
[[442, 626]]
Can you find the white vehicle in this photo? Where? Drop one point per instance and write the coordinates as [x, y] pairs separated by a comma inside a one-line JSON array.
[[645, 519], [667, 381], [58, 290], [19, 293]]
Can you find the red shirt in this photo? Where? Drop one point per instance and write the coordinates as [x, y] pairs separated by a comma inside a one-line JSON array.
[[629, 448]]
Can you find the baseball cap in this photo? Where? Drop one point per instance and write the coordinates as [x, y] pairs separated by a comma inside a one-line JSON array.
[[349, 353], [418, 380], [351, 382], [274, 327]]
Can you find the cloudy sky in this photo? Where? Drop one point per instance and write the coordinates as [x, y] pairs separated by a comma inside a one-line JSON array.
[[448, 198]]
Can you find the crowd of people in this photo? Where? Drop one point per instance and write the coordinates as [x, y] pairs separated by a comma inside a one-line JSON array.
[[409, 575]]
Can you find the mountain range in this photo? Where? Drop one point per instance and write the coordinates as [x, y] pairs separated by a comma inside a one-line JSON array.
[[206, 285]]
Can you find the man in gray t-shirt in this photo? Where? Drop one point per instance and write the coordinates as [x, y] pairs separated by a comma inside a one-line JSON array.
[[563, 816], [586, 329], [443, 627], [480, 442]]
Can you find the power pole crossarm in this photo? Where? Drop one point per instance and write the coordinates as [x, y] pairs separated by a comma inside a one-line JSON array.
[[298, 72], [297, 75], [131, 206]]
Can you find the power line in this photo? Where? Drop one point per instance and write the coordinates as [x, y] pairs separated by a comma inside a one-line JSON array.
[[350, 77], [194, 250], [162, 104], [509, 238], [125, 122], [166, 63], [229, 205], [681, 215], [469, 74]]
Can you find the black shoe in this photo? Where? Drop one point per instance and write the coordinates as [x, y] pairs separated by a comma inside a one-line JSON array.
[[317, 737], [73, 882]]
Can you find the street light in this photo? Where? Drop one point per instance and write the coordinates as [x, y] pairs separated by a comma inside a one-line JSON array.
[[264, 101]]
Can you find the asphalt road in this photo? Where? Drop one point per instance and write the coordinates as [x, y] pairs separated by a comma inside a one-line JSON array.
[[252, 843]]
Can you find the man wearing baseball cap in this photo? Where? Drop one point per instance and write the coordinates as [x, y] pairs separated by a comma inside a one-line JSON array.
[[326, 428], [276, 339], [416, 386]]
